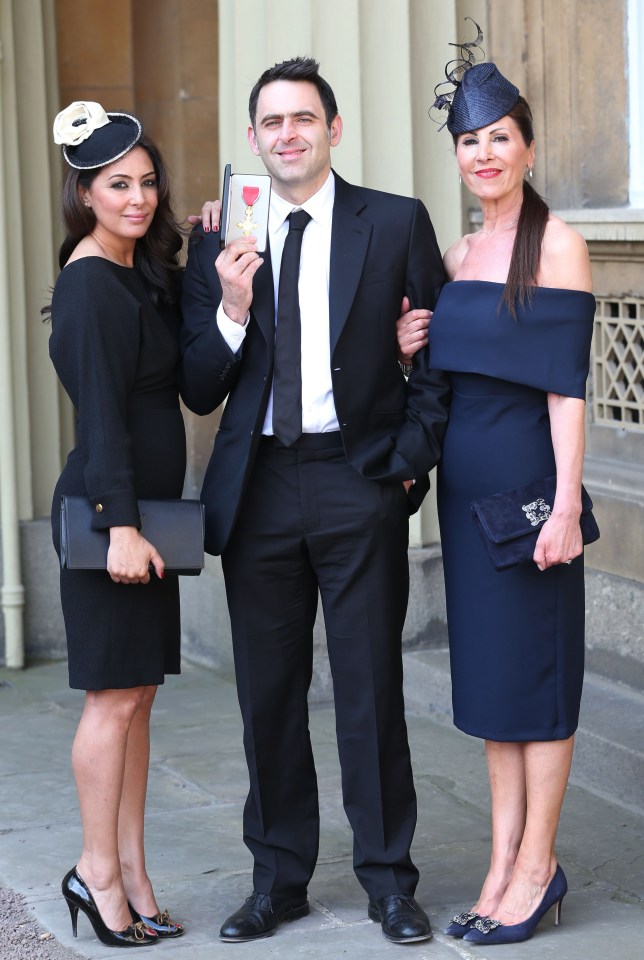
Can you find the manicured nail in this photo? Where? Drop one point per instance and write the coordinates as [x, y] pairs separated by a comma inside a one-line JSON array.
[[206, 229], [216, 229]]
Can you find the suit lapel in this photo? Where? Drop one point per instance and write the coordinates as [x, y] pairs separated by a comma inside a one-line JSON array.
[[349, 242]]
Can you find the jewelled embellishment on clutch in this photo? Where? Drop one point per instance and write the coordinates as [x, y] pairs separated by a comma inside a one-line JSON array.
[[486, 924], [537, 511], [462, 919]]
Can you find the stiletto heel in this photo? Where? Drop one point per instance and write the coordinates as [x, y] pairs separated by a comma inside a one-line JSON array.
[[73, 912], [78, 897], [489, 931]]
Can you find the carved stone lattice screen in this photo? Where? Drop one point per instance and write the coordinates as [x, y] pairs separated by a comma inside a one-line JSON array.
[[618, 364]]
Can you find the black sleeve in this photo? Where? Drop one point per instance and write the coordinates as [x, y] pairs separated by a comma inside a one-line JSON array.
[[418, 442], [94, 346], [208, 367]]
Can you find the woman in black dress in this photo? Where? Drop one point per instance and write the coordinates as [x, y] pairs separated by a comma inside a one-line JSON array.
[[114, 344], [513, 330]]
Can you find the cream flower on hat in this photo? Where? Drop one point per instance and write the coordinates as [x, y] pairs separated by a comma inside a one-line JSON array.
[[78, 121]]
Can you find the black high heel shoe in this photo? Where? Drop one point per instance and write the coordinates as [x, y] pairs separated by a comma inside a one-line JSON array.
[[161, 924], [78, 897]]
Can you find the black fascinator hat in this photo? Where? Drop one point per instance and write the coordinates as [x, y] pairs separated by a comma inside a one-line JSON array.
[[91, 137], [481, 93]]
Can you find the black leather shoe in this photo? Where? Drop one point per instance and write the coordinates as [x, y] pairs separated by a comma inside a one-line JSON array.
[[259, 917], [402, 919]]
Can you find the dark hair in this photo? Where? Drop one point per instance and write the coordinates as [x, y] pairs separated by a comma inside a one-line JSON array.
[[299, 68], [156, 254], [526, 252]]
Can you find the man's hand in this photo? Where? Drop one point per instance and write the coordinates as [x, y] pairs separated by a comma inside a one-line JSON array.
[[210, 216], [236, 265], [411, 331]]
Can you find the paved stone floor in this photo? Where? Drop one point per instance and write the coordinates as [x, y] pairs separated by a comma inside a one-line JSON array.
[[202, 870]]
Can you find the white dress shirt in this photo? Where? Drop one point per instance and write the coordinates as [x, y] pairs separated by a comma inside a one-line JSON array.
[[318, 408]]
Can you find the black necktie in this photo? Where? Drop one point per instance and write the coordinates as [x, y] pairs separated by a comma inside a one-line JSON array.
[[287, 377]]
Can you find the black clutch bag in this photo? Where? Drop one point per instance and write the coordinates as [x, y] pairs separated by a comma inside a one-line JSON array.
[[510, 522], [174, 527]]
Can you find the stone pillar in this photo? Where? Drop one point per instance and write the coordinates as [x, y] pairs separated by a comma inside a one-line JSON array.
[[31, 422]]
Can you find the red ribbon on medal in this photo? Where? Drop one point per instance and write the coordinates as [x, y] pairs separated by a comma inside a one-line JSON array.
[[250, 195]]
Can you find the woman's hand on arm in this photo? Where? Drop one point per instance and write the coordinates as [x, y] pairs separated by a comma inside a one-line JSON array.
[[560, 539], [210, 216], [411, 331], [129, 557]]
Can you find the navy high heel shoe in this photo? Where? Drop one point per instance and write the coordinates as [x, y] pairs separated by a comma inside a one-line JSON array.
[[161, 924], [490, 931], [78, 897], [461, 923]]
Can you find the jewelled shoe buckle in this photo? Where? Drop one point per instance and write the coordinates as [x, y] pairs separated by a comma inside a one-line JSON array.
[[486, 924], [462, 919]]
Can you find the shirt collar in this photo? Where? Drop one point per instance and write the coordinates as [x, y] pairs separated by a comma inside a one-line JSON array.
[[319, 206]]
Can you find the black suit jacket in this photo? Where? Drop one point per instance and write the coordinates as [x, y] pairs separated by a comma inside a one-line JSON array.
[[382, 248]]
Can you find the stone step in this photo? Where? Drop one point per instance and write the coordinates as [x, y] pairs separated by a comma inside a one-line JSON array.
[[609, 747]]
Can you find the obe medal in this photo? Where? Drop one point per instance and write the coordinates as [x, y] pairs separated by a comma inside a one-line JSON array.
[[249, 196]]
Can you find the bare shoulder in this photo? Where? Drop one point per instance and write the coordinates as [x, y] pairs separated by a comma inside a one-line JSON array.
[[454, 256], [565, 262]]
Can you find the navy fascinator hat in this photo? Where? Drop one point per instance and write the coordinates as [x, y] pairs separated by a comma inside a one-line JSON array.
[[481, 93], [91, 137]]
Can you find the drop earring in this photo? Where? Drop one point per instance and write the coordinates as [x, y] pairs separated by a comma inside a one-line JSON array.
[[460, 178]]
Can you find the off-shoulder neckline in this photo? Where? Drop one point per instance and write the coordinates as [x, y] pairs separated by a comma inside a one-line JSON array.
[[495, 283]]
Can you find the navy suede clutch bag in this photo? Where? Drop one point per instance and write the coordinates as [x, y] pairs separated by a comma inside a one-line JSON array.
[[510, 522], [174, 527]]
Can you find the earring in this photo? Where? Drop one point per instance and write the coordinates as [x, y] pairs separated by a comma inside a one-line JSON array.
[[529, 172], [460, 178], [86, 203]]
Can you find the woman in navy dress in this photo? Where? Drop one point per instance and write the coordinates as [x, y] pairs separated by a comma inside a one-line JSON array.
[[114, 343], [513, 328]]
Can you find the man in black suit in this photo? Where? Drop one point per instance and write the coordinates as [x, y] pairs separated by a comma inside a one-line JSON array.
[[323, 506]]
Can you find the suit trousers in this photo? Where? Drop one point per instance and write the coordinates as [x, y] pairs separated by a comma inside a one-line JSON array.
[[310, 522]]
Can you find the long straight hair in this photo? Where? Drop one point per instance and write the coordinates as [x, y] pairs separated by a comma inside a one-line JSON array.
[[528, 242]]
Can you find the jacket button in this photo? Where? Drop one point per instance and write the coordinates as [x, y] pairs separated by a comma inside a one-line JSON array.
[[99, 507]]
